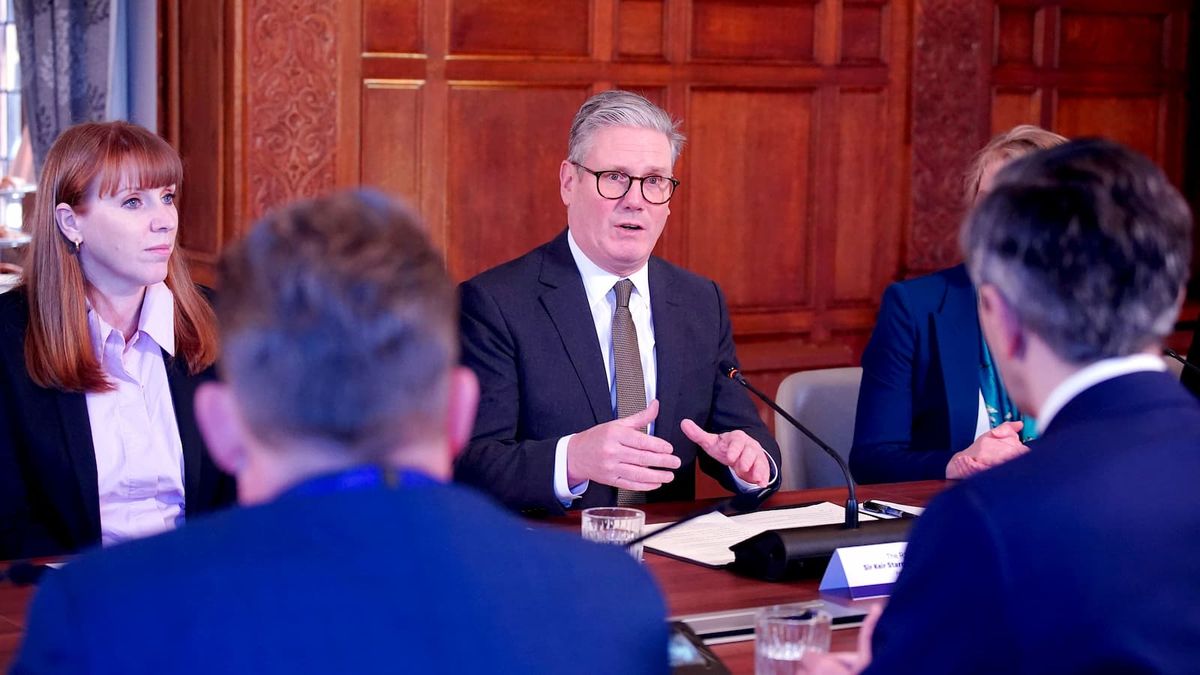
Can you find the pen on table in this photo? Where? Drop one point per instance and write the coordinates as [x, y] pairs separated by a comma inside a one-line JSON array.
[[876, 507]]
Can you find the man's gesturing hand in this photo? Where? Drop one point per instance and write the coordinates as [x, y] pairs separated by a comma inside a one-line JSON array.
[[735, 449], [620, 453]]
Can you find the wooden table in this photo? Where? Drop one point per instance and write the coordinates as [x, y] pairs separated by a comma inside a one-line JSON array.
[[692, 589], [689, 589]]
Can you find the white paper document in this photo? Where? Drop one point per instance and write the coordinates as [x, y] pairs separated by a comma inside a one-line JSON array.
[[707, 539]]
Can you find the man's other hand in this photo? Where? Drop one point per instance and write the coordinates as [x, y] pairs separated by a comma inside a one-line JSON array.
[[620, 453], [735, 449]]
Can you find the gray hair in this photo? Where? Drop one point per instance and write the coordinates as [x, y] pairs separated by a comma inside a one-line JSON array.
[[619, 108], [339, 325], [1089, 242]]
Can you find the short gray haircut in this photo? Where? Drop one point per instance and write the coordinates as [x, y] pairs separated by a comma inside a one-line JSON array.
[[338, 325], [619, 108], [1090, 244]]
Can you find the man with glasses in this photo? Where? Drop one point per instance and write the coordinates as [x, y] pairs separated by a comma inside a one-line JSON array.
[[598, 363]]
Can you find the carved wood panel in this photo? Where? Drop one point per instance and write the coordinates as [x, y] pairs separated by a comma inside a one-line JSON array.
[[291, 101], [948, 122]]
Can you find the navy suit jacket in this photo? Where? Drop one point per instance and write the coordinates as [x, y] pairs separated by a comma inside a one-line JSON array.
[[919, 401], [423, 579], [1079, 556], [529, 336], [49, 502]]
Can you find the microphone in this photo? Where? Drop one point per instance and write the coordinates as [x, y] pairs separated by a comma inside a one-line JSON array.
[[731, 371], [744, 502], [776, 555], [1186, 364]]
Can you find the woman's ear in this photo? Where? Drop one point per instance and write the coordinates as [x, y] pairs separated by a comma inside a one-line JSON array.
[[68, 223]]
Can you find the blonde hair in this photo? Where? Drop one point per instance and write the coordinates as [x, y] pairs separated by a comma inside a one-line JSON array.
[[1016, 142]]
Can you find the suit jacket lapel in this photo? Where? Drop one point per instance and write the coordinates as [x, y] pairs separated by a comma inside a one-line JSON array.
[[183, 390], [956, 337], [669, 351], [77, 434], [566, 303]]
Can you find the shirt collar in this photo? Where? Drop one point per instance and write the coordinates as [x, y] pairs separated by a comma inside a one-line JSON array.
[[156, 319], [597, 282], [1090, 376], [360, 478]]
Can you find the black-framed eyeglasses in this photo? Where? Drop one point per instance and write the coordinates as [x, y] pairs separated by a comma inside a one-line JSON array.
[[616, 184]]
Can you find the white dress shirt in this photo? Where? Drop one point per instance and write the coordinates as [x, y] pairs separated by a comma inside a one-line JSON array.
[[602, 301], [1092, 375], [139, 456]]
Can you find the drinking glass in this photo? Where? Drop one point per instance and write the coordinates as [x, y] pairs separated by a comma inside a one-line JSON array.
[[783, 634], [614, 525]]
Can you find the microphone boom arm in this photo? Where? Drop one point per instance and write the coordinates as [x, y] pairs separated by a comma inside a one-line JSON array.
[[852, 503]]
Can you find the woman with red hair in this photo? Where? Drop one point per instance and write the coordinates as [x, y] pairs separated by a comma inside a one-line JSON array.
[[101, 348]]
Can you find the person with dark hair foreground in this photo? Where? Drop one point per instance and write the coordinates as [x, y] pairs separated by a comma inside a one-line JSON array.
[[340, 412], [1080, 555], [101, 348]]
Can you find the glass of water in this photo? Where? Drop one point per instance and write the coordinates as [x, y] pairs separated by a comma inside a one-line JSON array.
[[783, 634], [614, 525]]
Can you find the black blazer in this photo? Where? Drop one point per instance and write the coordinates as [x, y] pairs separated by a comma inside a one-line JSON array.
[[528, 334], [49, 502]]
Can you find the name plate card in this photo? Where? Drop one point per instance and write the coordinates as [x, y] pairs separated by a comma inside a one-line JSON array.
[[865, 571]]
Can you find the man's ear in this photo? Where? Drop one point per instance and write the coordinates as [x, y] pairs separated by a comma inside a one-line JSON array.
[[68, 223], [568, 178], [222, 427], [461, 404], [1000, 324]]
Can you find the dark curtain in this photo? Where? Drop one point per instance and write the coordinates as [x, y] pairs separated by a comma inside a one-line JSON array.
[[64, 48]]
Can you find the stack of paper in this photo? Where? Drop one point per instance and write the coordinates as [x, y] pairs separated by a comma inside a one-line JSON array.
[[706, 540]]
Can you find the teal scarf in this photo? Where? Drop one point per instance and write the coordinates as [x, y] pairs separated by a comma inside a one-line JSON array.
[[1000, 408]]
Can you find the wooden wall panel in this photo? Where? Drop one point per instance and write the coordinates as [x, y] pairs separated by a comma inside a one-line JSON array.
[[641, 29], [769, 30], [866, 247], [291, 101], [506, 145], [1133, 120], [864, 26], [1018, 33], [949, 123], [392, 26], [758, 207], [1100, 39], [391, 123], [1114, 69], [559, 28], [827, 138], [201, 192], [1011, 107]]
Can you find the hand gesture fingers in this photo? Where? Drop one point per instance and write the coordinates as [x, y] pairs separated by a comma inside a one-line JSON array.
[[735, 449]]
